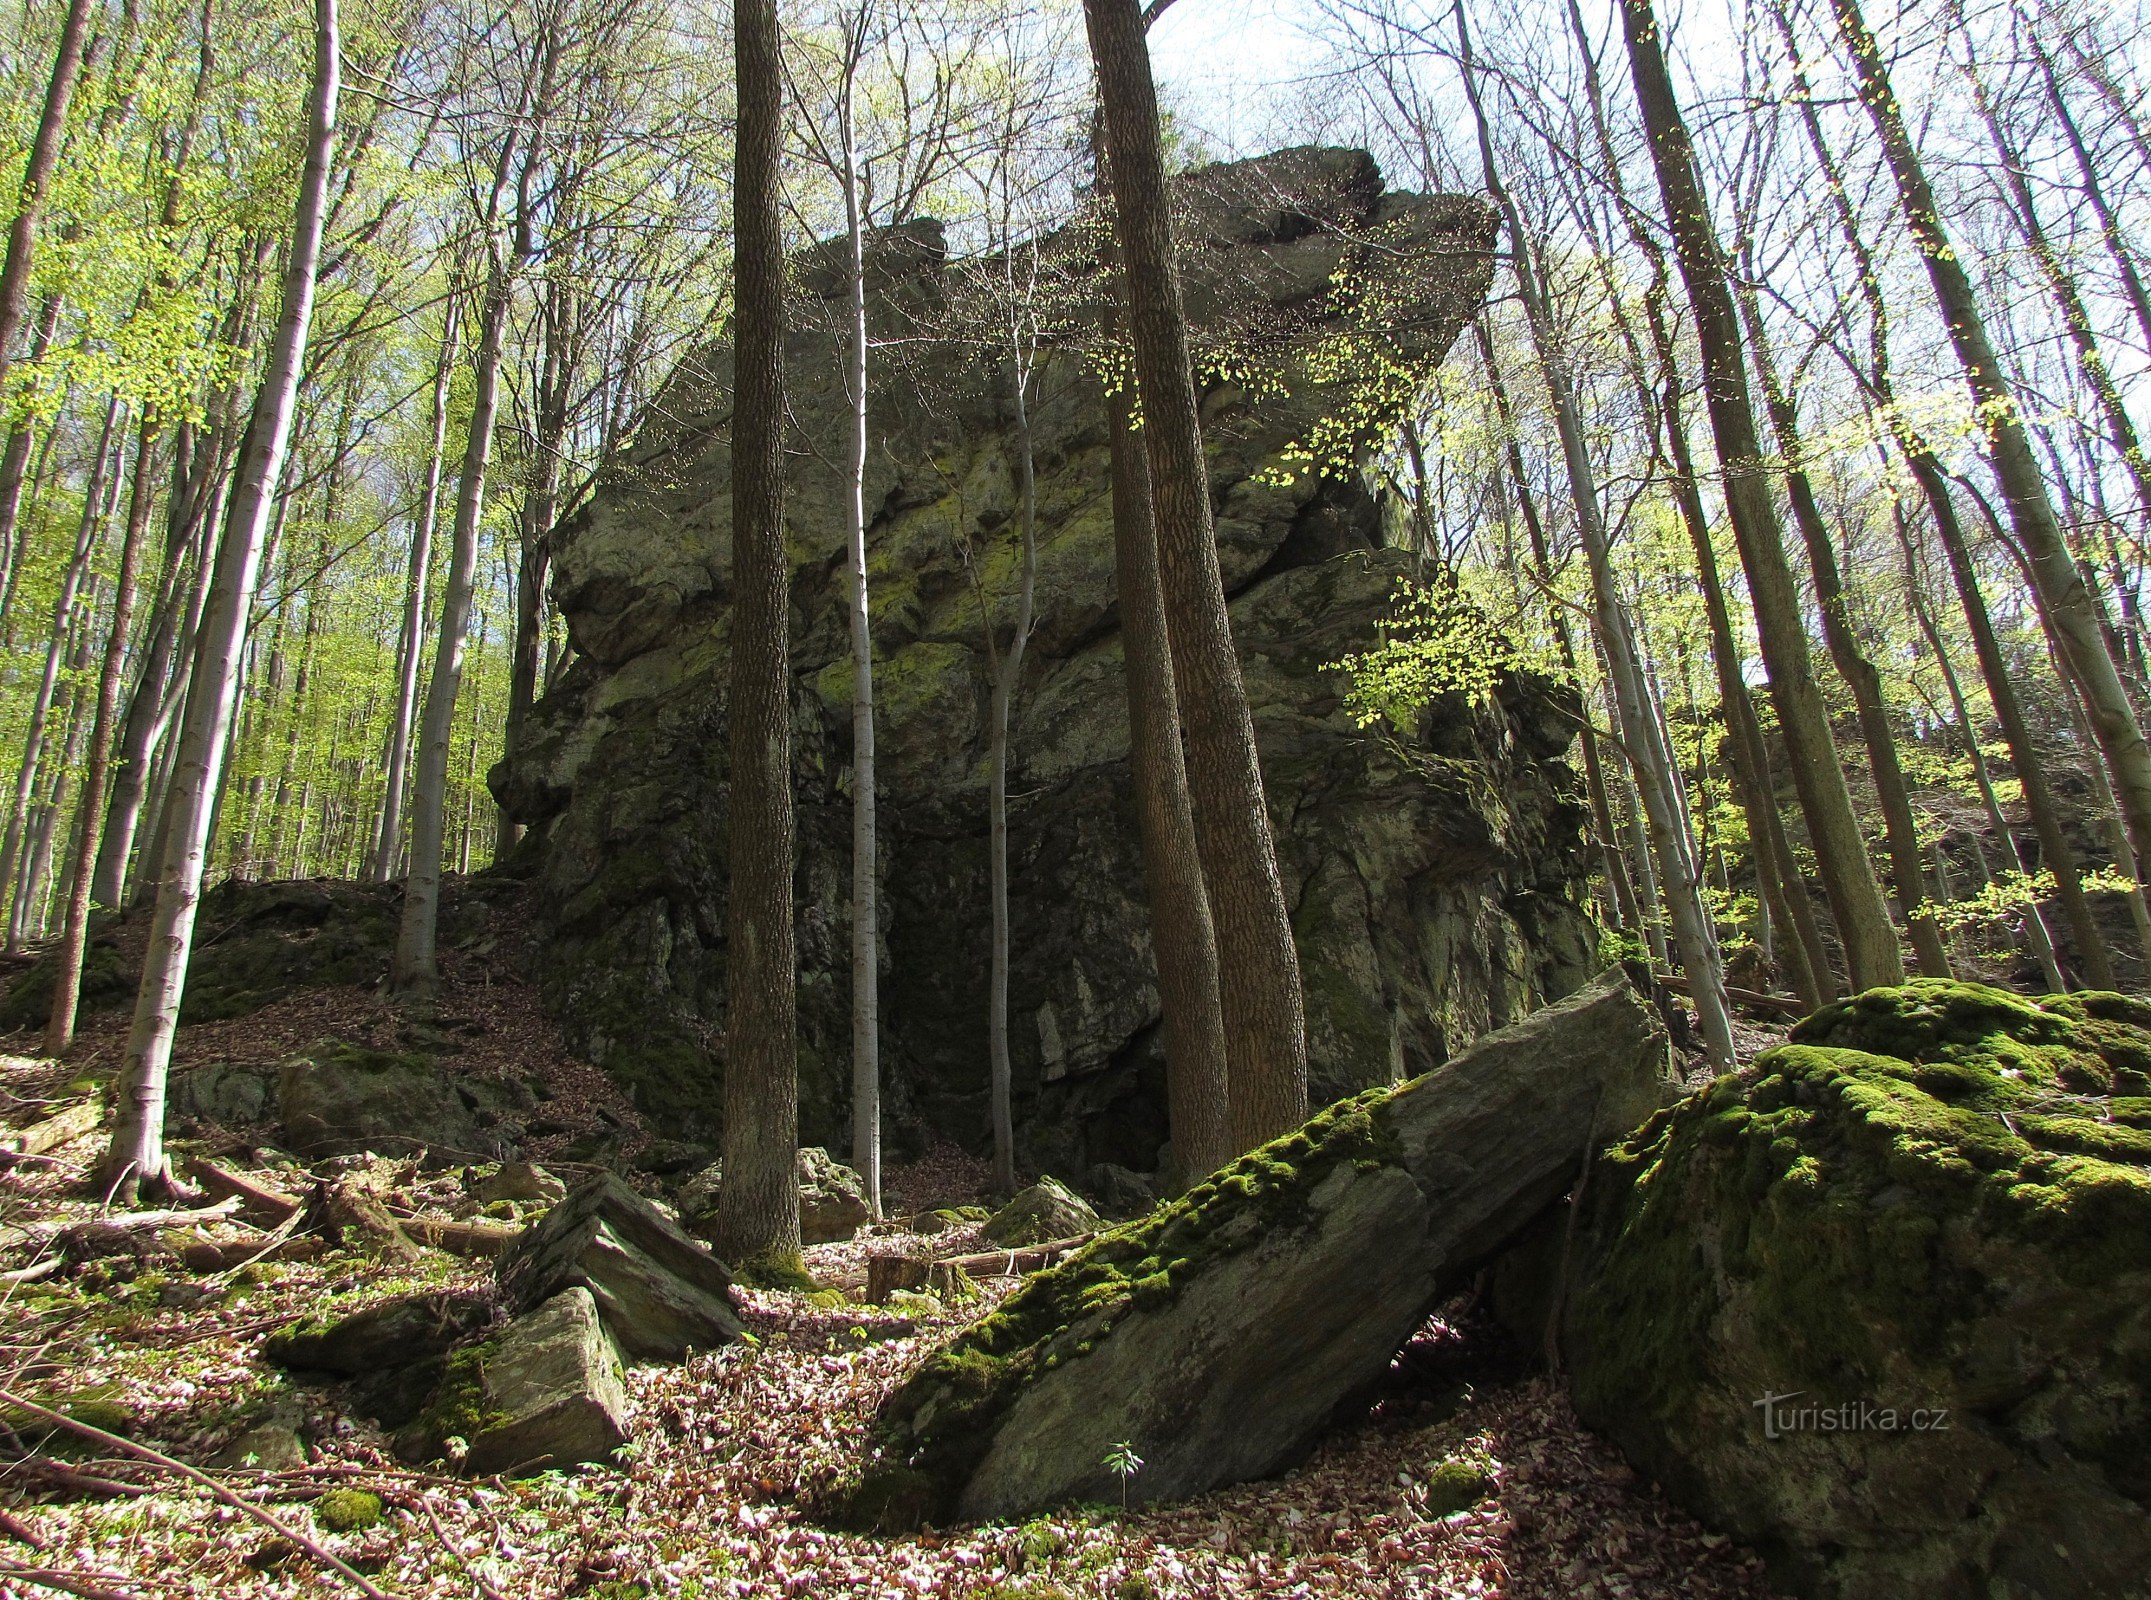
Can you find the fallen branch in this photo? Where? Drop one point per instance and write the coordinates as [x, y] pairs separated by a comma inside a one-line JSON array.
[[143, 1452], [1783, 1005], [886, 1274], [32, 1273], [273, 1206], [64, 1127], [20, 1531], [70, 1478], [481, 1239], [65, 1582], [135, 1221]]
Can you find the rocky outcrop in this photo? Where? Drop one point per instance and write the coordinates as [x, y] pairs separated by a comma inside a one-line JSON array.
[[1435, 879], [1882, 1308], [1217, 1336], [659, 1292], [340, 1099]]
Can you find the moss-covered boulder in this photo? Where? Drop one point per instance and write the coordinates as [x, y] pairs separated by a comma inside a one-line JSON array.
[[1048, 1209], [1882, 1306], [340, 1098], [1217, 1335]]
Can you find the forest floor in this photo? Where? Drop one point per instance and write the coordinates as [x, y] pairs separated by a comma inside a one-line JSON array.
[[706, 1500]]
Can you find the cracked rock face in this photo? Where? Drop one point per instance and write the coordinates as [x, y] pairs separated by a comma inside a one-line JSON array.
[[1435, 880]]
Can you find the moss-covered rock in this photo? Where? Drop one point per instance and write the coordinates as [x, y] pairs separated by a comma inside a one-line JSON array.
[[1048, 1209], [1883, 1306], [1217, 1334], [348, 1510], [108, 983], [1436, 875], [340, 1098]]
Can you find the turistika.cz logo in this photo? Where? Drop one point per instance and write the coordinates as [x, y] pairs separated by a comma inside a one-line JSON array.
[[1781, 1417]]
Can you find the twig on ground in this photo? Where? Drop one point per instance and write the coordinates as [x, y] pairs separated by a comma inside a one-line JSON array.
[[327, 1558], [485, 1587]]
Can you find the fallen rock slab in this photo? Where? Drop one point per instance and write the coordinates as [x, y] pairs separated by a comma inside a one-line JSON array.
[[1217, 1336], [659, 1293], [546, 1392], [1882, 1308]]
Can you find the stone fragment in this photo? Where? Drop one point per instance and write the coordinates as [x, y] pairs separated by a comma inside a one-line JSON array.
[[832, 1197], [269, 1447], [659, 1292], [520, 1182], [1118, 1191], [550, 1390], [1048, 1209]]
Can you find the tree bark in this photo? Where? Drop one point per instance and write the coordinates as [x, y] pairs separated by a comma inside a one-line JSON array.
[[74, 939], [1258, 967], [757, 1223], [37, 174], [1008, 674], [865, 863], [410, 646], [1648, 747], [1863, 919], [137, 1162], [1850, 656], [416, 969]]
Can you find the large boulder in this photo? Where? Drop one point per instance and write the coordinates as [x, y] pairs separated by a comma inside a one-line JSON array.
[[1436, 875], [1882, 1307], [832, 1197], [1218, 1335], [659, 1292], [341, 1099], [395, 1353], [1048, 1209]]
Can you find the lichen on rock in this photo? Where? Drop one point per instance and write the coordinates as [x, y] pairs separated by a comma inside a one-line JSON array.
[[1935, 1201]]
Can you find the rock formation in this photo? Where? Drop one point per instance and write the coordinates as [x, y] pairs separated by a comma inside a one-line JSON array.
[[1218, 1335], [1883, 1309], [1435, 879]]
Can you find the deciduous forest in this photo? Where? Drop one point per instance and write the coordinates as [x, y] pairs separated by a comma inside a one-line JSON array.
[[1030, 799]]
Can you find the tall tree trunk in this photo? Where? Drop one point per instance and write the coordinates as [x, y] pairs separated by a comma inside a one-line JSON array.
[[1927, 471], [136, 1161], [1258, 967], [865, 910], [1649, 749], [2068, 301], [2060, 588], [63, 613], [1007, 675], [415, 972], [1850, 656], [74, 939], [388, 841], [2035, 928], [1183, 939], [37, 175], [2087, 168], [757, 1223], [1863, 918]]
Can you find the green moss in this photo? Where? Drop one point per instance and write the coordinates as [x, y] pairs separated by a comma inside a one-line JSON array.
[[347, 1510], [1456, 1485], [776, 1269], [107, 984], [1870, 1188], [941, 1421]]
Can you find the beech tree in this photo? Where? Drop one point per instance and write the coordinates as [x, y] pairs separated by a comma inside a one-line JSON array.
[[136, 1163]]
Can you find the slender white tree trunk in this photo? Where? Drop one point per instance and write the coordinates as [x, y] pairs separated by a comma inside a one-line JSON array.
[[865, 914], [388, 841], [1006, 678], [137, 1160]]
